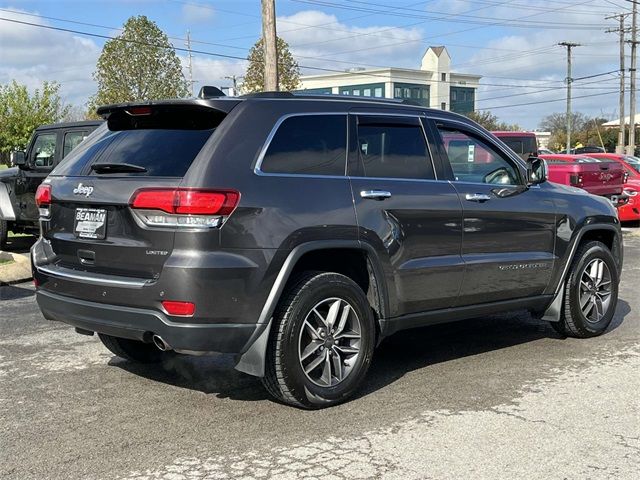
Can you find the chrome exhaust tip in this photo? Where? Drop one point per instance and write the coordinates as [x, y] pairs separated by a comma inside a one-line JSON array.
[[160, 343]]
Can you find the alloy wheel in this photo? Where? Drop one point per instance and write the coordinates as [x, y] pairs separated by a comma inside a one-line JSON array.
[[595, 290], [329, 342]]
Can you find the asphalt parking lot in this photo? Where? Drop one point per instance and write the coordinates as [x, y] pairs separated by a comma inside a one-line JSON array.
[[500, 397]]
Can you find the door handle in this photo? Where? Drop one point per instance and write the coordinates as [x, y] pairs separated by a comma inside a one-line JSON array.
[[375, 194], [477, 197]]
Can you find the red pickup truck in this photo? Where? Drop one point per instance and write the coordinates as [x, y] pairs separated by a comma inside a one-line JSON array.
[[598, 177]]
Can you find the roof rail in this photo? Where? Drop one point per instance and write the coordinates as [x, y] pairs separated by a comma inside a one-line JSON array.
[[268, 95]]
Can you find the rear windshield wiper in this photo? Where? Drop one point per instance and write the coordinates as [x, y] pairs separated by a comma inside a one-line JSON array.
[[116, 168]]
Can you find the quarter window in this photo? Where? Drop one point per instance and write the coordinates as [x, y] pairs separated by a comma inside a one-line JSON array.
[[473, 160], [393, 150], [308, 144]]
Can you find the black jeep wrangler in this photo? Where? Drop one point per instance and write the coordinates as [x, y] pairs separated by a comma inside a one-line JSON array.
[[295, 232], [47, 147]]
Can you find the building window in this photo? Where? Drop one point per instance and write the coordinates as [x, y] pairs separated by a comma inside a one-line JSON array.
[[462, 99], [444, 77], [412, 91], [443, 106], [364, 90]]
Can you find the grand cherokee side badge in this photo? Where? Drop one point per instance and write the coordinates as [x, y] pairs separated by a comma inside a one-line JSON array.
[[81, 189]]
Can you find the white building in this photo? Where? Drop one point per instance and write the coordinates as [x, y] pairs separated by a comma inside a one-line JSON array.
[[433, 85]]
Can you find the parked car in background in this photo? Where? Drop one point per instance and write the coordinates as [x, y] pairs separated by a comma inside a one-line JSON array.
[[46, 149], [588, 149], [604, 178], [296, 232], [631, 211], [545, 151], [524, 144]]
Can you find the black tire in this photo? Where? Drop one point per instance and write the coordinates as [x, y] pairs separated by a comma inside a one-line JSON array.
[[4, 234], [285, 378], [132, 350], [574, 322]]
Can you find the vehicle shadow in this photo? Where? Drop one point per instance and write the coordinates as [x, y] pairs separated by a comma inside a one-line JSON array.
[[395, 357], [20, 244], [14, 292]]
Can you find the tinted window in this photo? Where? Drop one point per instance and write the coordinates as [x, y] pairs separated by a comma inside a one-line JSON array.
[[71, 141], [308, 144], [394, 151], [524, 146], [163, 152], [473, 160], [44, 150]]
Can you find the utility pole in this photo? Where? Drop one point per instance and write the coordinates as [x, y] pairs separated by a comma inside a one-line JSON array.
[[569, 46], [620, 147], [234, 79], [270, 46], [188, 45], [632, 91]]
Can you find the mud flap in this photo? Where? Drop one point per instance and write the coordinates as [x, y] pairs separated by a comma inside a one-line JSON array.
[[252, 361]]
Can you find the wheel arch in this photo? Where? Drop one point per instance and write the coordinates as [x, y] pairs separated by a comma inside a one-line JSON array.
[[330, 255], [610, 235]]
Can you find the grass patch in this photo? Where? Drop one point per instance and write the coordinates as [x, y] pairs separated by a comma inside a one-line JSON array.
[[5, 261], [16, 235], [3, 166]]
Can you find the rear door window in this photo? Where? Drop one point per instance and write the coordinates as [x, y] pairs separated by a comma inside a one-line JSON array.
[[308, 144], [391, 147], [72, 140]]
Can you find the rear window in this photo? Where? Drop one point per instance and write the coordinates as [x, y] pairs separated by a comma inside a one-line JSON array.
[[308, 144], [523, 146], [162, 152]]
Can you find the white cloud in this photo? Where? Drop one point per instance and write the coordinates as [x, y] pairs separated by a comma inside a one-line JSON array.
[[331, 42], [196, 13], [212, 71], [31, 55]]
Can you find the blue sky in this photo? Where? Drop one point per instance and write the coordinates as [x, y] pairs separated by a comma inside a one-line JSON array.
[[512, 43]]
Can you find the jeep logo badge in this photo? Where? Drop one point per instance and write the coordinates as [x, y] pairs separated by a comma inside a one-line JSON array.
[[81, 189]]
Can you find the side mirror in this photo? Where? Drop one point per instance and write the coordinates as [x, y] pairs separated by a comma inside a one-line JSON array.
[[18, 159], [537, 171]]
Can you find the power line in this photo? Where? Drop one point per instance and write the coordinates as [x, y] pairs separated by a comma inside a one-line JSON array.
[[544, 101]]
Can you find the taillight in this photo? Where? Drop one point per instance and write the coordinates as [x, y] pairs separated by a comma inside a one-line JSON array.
[[183, 207], [43, 199], [576, 180], [181, 309]]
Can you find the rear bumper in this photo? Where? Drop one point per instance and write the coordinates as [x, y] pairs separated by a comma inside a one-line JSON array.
[[142, 324]]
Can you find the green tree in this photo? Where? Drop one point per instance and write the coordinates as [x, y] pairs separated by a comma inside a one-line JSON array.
[[21, 112], [491, 122], [288, 69], [139, 64], [556, 123]]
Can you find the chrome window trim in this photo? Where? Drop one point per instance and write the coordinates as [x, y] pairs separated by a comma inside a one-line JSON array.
[[263, 151]]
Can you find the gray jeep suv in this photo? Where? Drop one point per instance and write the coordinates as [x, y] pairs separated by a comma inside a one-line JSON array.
[[296, 232]]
